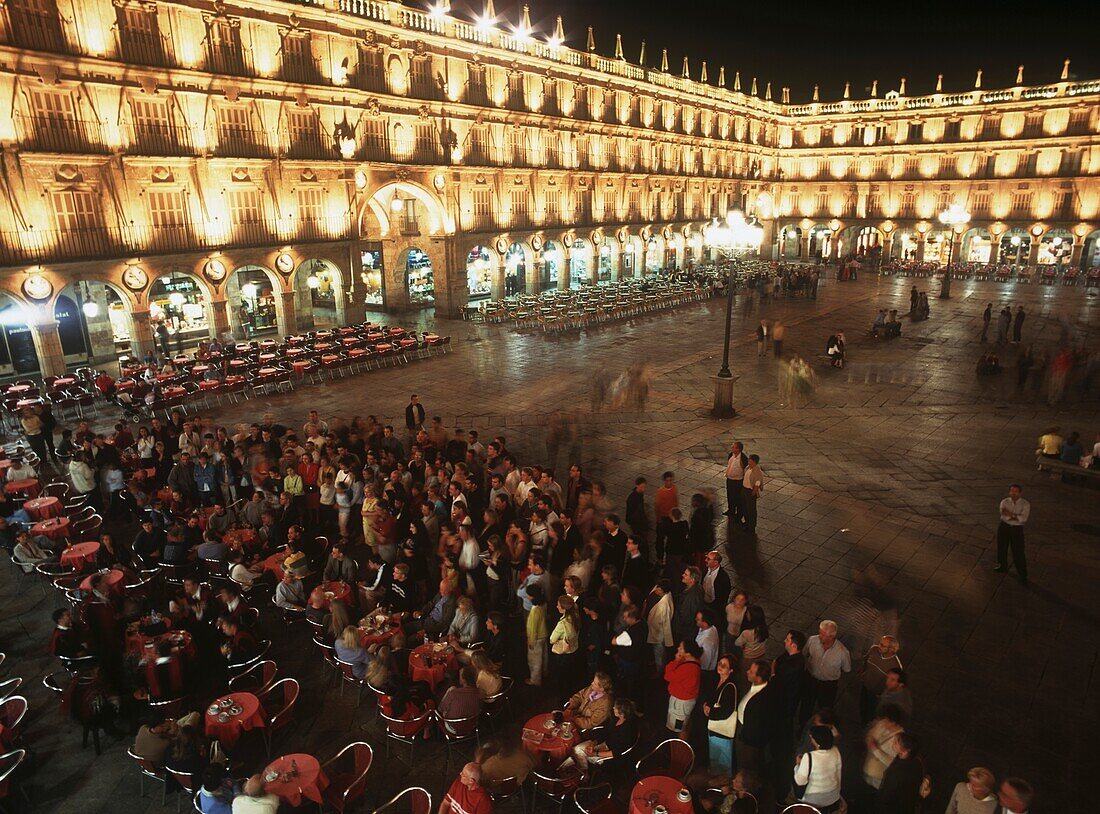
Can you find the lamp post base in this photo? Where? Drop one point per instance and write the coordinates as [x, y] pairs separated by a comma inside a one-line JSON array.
[[723, 397]]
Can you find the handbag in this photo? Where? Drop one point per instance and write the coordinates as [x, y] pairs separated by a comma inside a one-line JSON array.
[[726, 728]]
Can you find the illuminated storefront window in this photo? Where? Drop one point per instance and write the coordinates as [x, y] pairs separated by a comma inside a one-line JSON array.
[[479, 273], [421, 279], [177, 302], [371, 276]]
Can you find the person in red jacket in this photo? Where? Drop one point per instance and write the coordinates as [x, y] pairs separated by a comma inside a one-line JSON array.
[[466, 795], [682, 676]]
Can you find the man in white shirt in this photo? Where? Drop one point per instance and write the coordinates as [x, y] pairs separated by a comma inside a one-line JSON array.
[[253, 800], [826, 660], [526, 484], [735, 474], [707, 638], [1010, 532], [751, 487]]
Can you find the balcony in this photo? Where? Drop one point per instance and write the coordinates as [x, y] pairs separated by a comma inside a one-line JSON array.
[[375, 149], [42, 245], [310, 145], [38, 31], [145, 48], [160, 140], [301, 70], [226, 59], [59, 134], [320, 230], [240, 143]]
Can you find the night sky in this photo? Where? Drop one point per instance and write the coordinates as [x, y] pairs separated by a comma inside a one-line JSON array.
[[802, 44]]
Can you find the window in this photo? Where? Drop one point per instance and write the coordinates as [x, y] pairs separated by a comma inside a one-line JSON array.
[[580, 103], [584, 205], [517, 145], [54, 126], [476, 93], [304, 134], [139, 35], [36, 24], [520, 214], [409, 224], [951, 130], [167, 209], [246, 214], [483, 209], [552, 206], [916, 131], [426, 145], [374, 140], [1021, 203], [370, 74], [1030, 163], [550, 97], [235, 133], [153, 132], [610, 207], [223, 47], [422, 79], [516, 99], [298, 63], [75, 210], [311, 204]]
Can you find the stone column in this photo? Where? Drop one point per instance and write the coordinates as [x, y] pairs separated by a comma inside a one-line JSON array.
[[1075, 255], [1033, 251], [224, 317], [142, 340], [565, 273], [767, 244], [496, 267], [101, 336], [804, 249], [288, 319], [887, 247], [594, 266], [955, 255], [452, 293], [920, 247], [642, 261], [47, 344], [395, 284]]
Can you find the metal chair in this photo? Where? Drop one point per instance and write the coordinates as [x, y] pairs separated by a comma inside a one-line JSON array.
[[414, 800], [595, 799], [505, 789], [147, 769], [405, 731], [12, 713], [555, 787], [9, 687], [257, 679], [347, 775], [671, 758], [456, 731], [278, 702], [347, 673], [9, 763]]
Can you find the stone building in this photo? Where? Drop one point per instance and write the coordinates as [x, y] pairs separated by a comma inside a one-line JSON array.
[[232, 168]]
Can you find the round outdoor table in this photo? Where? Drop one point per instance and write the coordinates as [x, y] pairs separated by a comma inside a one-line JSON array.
[[433, 674], [63, 382], [662, 791], [80, 555], [383, 347], [163, 377], [329, 357], [274, 564], [308, 780], [16, 389], [397, 331], [268, 371], [345, 331], [431, 339], [408, 343], [236, 538], [32, 402], [113, 579], [29, 486], [238, 363], [367, 636], [322, 346], [375, 336], [339, 590], [293, 352], [123, 385], [266, 357], [209, 384], [198, 370], [229, 732], [233, 379], [299, 366], [42, 507], [323, 334], [349, 341], [357, 352], [557, 747], [54, 528], [174, 392], [268, 343]]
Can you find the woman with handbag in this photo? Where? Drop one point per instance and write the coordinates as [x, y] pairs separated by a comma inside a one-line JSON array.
[[565, 648], [720, 710], [817, 773]]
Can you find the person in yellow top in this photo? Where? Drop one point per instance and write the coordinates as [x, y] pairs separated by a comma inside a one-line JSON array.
[[293, 484], [370, 516], [565, 647], [536, 634], [1050, 443]]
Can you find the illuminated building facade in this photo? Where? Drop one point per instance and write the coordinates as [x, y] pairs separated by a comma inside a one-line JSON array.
[[274, 166]]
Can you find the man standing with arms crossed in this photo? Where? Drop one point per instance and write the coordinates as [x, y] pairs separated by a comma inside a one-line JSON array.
[[735, 474], [1010, 533]]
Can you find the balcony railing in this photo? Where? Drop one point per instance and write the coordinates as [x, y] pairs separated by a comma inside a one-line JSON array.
[[226, 59], [161, 139], [38, 32], [302, 70], [310, 145], [145, 48], [110, 242], [57, 134], [237, 143]]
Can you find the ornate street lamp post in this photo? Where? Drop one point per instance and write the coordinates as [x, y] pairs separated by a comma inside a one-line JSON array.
[[731, 240], [955, 217]]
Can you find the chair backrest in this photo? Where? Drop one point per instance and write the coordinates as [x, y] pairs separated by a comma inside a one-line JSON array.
[[146, 766], [12, 712], [58, 490], [414, 800], [170, 708], [503, 788], [55, 682], [257, 679], [186, 780], [555, 785], [458, 727], [801, 808], [353, 761], [10, 762], [283, 693], [588, 798], [401, 728], [672, 758], [9, 687], [346, 668]]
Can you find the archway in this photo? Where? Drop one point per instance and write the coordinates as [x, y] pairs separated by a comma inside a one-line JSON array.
[[631, 254], [605, 264], [866, 241], [937, 246], [1055, 248], [655, 254], [581, 263], [255, 301], [977, 246], [318, 295], [479, 273], [419, 277], [904, 246], [515, 270], [17, 352], [408, 208], [1015, 246], [821, 242], [693, 249], [553, 261], [790, 242], [1090, 254], [180, 311], [103, 329]]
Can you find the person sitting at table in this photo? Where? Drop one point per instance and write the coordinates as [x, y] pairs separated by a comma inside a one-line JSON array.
[[591, 706], [188, 753], [464, 700], [212, 547], [231, 603], [67, 639], [434, 619], [465, 627], [154, 742], [489, 681], [614, 739], [466, 794], [339, 567], [149, 542], [504, 757], [20, 469], [316, 606], [290, 594], [254, 798], [240, 645], [376, 583], [252, 512], [28, 553], [175, 547], [217, 791], [348, 649]]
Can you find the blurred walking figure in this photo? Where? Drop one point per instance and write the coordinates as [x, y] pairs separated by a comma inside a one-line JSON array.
[[987, 317], [779, 330], [761, 338]]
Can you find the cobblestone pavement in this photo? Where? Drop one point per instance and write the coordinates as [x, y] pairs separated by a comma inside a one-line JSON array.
[[897, 461]]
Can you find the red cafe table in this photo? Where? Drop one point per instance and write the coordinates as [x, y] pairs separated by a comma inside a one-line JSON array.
[[420, 670], [233, 379], [431, 339], [198, 370], [300, 366], [322, 346], [174, 392], [345, 331], [383, 347], [292, 353], [28, 486], [397, 331], [267, 357], [369, 636], [236, 538], [238, 363], [113, 579], [658, 791], [304, 778], [338, 590], [65, 381], [53, 528], [268, 371], [323, 334], [274, 564], [552, 742], [32, 402], [209, 384], [347, 342], [80, 555], [376, 336], [408, 343], [42, 507], [268, 343], [229, 731], [17, 389]]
